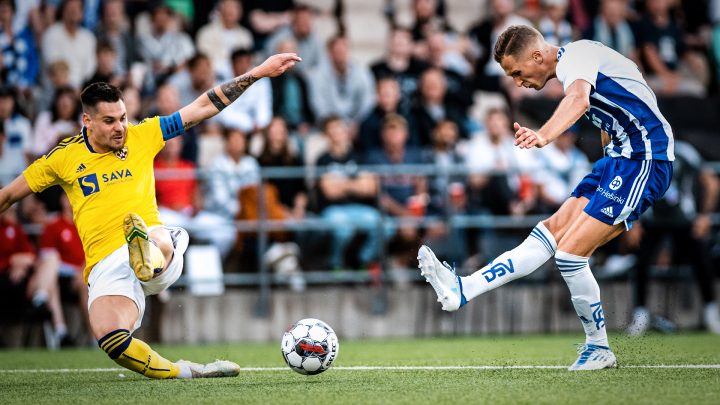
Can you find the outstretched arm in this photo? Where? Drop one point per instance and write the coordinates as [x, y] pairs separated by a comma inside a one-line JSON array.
[[219, 97], [570, 109], [15, 191]]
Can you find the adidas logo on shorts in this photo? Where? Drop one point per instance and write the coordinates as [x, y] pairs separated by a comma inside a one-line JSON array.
[[607, 211]]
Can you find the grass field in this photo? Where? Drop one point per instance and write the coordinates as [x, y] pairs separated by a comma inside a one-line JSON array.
[[362, 374]]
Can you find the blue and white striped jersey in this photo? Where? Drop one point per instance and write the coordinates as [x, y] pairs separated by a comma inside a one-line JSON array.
[[621, 102]]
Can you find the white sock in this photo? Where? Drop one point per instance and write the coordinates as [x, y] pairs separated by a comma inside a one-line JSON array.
[[585, 295], [527, 257], [185, 371]]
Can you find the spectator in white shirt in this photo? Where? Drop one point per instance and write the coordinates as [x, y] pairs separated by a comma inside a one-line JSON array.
[[67, 40], [342, 87], [165, 48], [253, 111], [222, 35], [309, 46], [15, 142]]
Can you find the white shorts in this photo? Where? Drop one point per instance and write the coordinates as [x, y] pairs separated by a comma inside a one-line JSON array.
[[114, 276]]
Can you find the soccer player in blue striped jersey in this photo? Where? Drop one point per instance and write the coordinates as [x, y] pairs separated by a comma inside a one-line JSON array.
[[107, 173], [635, 172]]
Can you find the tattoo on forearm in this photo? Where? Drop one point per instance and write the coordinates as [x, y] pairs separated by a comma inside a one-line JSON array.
[[215, 99], [189, 124], [234, 88]]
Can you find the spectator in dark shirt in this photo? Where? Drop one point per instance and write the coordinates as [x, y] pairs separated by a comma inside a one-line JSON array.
[[20, 57], [278, 152], [107, 66], [346, 197], [388, 102], [671, 69], [401, 195], [291, 95], [612, 28], [400, 64], [433, 106], [115, 29]]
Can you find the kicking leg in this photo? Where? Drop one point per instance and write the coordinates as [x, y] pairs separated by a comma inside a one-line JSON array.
[[584, 236], [454, 291], [112, 317]]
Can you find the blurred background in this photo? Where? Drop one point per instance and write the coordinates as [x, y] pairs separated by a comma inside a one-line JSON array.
[[310, 195]]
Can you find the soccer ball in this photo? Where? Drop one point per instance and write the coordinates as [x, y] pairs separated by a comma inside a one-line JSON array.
[[310, 346]]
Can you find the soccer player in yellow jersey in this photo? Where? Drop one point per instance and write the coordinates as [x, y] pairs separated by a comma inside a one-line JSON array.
[[107, 173]]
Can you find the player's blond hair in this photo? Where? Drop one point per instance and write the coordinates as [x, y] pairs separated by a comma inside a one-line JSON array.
[[514, 40]]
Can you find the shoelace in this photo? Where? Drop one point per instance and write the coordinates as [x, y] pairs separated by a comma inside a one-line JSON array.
[[449, 267]]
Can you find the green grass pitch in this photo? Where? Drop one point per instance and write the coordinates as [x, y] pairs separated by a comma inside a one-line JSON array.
[[22, 382]]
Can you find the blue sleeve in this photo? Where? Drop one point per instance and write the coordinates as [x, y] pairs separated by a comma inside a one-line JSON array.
[[171, 126]]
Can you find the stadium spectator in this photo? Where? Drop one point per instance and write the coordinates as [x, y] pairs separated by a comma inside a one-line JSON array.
[[388, 102], [17, 256], [612, 28], [133, 104], [401, 195], [433, 105], [291, 95], [115, 29], [302, 32], [455, 68], [278, 151], [347, 197], [58, 74], [231, 172], [440, 56], [426, 18], [175, 188], [446, 192], [686, 219], [16, 142], [489, 75], [61, 260], [553, 25], [167, 100], [561, 165], [340, 86], [264, 17], [107, 66], [400, 63], [671, 68], [500, 173], [164, 48], [20, 58], [193, 81], [252, 112], [63, 120], [67, 40], [222, 35]]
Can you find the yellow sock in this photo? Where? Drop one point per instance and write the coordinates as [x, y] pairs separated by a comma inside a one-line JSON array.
[[136, 355]]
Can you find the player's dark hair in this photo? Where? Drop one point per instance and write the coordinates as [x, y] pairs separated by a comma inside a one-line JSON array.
[[514, 40], [99, 92]]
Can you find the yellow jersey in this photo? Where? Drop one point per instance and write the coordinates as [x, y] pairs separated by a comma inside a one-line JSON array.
[[104, 187]]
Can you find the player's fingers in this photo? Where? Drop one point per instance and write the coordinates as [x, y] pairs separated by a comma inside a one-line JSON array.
[[520, 132], [516, 126], [521, 138]]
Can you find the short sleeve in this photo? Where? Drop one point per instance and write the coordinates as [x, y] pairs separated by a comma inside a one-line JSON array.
[[42, 173], [153, 132], [578, 61]]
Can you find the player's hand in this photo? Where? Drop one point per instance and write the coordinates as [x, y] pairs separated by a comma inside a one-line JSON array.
[[526, 138], [276, 65]]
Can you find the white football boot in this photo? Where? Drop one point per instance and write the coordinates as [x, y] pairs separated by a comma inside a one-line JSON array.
[[594, 357], [442, 278], [218, 368]]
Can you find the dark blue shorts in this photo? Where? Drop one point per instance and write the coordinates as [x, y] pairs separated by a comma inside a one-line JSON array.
[[621, 189]]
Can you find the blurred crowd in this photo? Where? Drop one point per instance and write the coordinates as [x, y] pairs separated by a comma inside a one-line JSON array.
[[414, 105]]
